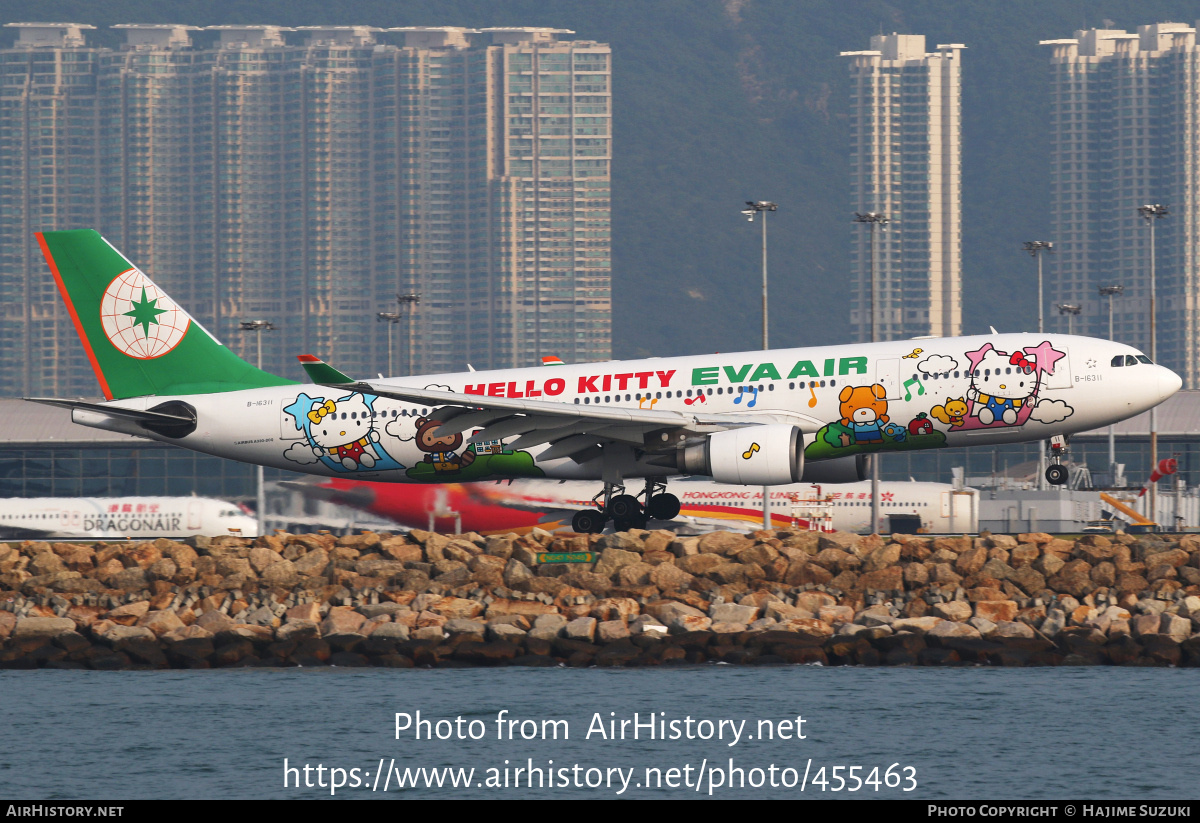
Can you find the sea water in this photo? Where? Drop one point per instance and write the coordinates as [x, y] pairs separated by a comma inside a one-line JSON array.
[[667, 732]]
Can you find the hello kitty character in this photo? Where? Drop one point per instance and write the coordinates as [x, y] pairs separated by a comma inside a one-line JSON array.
[[1002, 384], [345, 430]]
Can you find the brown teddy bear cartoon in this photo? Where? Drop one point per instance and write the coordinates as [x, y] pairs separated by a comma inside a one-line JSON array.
[[864, 410], [440, 451]]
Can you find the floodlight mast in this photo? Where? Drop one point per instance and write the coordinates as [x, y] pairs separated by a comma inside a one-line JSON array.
[[873, 219], [754, 207], [1152, 212]]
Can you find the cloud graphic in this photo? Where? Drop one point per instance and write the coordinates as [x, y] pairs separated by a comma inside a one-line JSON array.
[[1051, 411], [302, 453], [399, 427], [937, 364], [438, 387]]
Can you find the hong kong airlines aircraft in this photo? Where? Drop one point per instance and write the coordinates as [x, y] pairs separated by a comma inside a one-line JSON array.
[[521, 505], [751, 418]]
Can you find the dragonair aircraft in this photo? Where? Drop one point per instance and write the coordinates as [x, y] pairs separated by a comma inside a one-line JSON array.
[[760, 418]]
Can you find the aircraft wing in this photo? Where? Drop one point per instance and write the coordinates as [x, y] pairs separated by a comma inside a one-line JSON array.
[[572, 429]]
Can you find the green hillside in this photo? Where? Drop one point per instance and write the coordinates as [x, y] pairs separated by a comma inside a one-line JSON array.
[[716, 103]]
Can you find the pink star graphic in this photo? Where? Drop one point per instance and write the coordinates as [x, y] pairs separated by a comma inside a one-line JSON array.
[[1045, 355]]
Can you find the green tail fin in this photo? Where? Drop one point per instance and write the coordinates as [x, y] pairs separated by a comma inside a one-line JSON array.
[[138, 340]]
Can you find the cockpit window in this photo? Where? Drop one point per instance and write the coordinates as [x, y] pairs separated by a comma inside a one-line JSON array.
[[1130, 360], [1119, 360], [1144, 359]]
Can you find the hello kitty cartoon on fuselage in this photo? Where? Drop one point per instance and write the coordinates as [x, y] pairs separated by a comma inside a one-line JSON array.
[[1001, 384], [346, 431]]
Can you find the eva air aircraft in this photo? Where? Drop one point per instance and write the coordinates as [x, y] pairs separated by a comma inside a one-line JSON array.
[[749, 418]]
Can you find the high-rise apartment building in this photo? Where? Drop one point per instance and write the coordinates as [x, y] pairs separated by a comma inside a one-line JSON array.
[[906, 164], [307, 177], [1125, 126]]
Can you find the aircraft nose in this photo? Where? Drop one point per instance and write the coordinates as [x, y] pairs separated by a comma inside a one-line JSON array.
[[1168, 382]]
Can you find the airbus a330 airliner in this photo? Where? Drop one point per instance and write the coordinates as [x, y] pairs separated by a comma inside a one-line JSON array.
[[751, 418]]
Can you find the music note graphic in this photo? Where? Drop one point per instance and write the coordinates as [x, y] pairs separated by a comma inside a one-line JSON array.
[[812, 404], [697, 399], [908, 390], [754, 447], [744, 390]]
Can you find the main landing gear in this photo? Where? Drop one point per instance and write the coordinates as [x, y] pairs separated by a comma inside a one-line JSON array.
[[626, 510], [1056, 472]]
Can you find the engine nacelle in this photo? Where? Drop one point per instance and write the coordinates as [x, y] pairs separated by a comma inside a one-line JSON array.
[[751, 456], [838, 470]]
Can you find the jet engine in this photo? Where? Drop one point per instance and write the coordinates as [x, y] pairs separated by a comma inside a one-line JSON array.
[[838, 470], [770, 455]]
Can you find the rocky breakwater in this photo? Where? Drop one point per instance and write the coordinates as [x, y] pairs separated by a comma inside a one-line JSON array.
[[647, 598]]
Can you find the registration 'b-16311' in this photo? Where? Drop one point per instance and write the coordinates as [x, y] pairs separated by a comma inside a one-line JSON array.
[[752, 418]]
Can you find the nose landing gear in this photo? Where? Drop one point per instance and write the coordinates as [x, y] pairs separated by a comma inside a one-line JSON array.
[[1056, 472], [626, 511]]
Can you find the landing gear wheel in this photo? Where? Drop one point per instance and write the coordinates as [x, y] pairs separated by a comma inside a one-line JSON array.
[[663, 507], [638, 522], [588, 522], [1056, 475], [624, 507]]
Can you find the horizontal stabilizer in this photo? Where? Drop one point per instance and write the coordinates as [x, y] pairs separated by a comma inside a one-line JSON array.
[[321, 372], [172, 419]]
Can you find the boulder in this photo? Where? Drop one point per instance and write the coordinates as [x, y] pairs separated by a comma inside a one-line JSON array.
[[342, 620], [452, 607], [670, 577], [970, 561], [996, 610], [722, 543], [1073, 578], [611, 631], [688, 623], [733, 613], [42, 627], [162, 622], [581, 628], [282, 574]]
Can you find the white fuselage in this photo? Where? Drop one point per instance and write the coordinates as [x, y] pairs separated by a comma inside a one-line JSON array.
[[67, 518], [936, 392]]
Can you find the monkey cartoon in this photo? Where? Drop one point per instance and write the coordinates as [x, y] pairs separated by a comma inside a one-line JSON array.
[[440, 451]]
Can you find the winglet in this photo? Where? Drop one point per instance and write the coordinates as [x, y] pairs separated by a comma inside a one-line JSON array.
[[321, 372]]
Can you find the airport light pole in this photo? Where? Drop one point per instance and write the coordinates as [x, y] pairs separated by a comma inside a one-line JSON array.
[[391, 318], [1110, 292], [873, 219], [1071, 310], [260, 505], [408, 304], [1036, 248], [754, 207], [1150, 213]]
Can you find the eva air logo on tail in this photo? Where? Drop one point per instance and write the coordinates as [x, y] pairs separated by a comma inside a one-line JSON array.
[[139, 319]]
